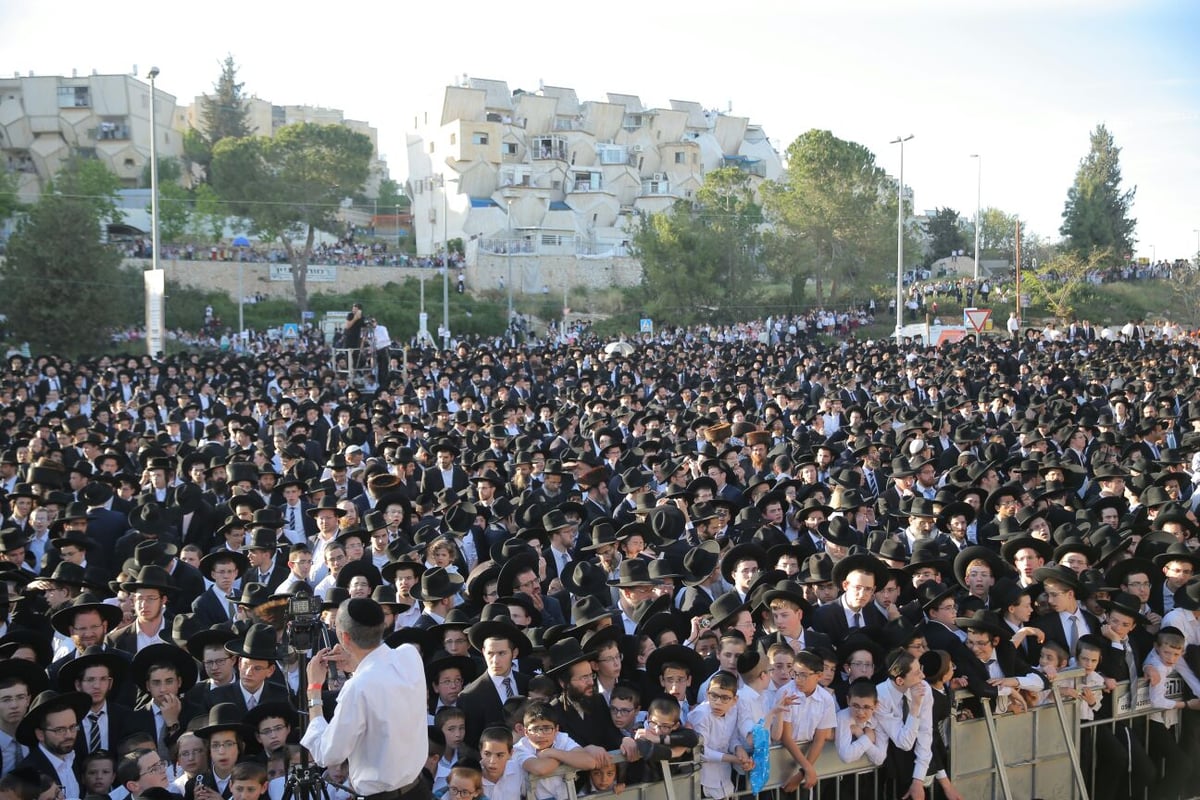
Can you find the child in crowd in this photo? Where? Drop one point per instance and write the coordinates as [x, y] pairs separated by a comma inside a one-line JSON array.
[[1054, 657], [603, 779], [857, 734], [811, 717], [98, 771], [543, 749], [465, 781], [1177, 758], [782, 663], [752, 705], [715, 721], [452, 722], [501, 775], [248, 781]]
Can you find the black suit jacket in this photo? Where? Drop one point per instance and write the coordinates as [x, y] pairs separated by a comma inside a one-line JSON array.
[[208, 610], [125, 638], [142, 721], [831, 620], [483, 705], [232, 693], [1051, 624], [189, 788], [596, 728], [37, 760], [431, 480], [122, 693], [116, 719]]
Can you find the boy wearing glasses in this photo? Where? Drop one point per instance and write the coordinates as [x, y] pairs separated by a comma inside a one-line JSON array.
[[715, 721], [543, 749], [812, 718], [857, 734], [142, 769]]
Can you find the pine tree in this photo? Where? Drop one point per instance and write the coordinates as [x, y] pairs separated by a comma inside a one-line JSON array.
[[1096, 215], [224, 112]]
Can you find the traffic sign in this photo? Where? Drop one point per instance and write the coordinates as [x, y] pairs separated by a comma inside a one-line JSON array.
[[977, 318], [291, 330], [647, 326]]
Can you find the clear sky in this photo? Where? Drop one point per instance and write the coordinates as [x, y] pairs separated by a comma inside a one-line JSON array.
[[1021, 82]]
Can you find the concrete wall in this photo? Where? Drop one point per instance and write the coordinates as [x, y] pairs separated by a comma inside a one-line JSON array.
[[529, 275]]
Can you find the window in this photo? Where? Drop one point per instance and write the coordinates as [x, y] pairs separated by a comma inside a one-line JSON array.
[[680, 158], [453, 139], [431, 147], [74, 97], [510, 148], [479, 138]]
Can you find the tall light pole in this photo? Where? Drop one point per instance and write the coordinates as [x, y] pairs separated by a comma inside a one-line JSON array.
[[900, 140], [1153, 255], [1197, 232], [978, 207], [508, 248], [155, 284], [446, 265]]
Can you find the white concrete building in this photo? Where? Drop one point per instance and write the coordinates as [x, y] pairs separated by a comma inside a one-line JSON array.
[[546, 174], [44, 118]]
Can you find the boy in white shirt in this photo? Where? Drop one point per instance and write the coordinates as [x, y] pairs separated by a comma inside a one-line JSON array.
[[501, 774], [715, 720], [811, 718], [543, 749], [858, 736]]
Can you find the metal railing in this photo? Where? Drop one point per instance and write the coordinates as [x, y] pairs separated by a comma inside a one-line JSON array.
[[1034, 753]]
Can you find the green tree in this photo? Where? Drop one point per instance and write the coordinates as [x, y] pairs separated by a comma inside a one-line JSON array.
[[208, 217], [224, 112], [61, 288], [170, 170], [291, 185], [1096, 214], [391, 197], [174, 212], [997, 234], [1058, 281], [946, 234], [96, 185], [834, 215], [702, 253], [9, 203]]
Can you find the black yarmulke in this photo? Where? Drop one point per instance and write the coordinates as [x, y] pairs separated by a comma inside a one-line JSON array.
[[365, 611]]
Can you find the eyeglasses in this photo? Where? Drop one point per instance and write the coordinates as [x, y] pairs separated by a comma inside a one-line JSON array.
[[542, 730], [863, 664], [861, 707], [272, 731], [652, 725], [588, 678], [155, 768], [614, 659], [222, 745], [212, 663], [450, 682], [803, 676], [1138, 584], [461, 792], [63, 730], [719, 697], [620, 710]]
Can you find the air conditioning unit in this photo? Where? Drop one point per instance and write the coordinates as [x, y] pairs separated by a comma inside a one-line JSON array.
[[637, 148], [660, 176]]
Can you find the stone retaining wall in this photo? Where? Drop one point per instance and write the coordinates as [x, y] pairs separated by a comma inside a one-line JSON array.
[[530, 274]]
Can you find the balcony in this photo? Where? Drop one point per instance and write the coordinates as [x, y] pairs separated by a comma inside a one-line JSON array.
[[507, 247], [548, 148], [751, 166], [585, 247], [586, 182], [657, 185], [111, 130], [615, 155], [518, 179]]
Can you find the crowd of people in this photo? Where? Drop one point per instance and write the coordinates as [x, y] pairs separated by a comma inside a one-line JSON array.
[[686, 548], [344, 252]]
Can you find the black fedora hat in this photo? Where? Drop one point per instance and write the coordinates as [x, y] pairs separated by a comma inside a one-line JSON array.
[[968, 554], [498, 625], [930, 593], [94, 656], [632, 572], [48, 702], [787, 590], [816, 569], [928, 553], [864, 561], [700, 561], [165, 653], [1064, 575], [441, 660], [437, 584], [564, 654], [725, 608], [210, 561], [154, 551], [28, 672], [506, 579], [675, 654], [1014, 544], [1126, 604], [584, 578], [217, 635], [746, 551], [150, 576], [64, 618], [984, 620], [359, 568], [1178, 552], [588, 610], [267, 710], [226, 717], [258, 643]]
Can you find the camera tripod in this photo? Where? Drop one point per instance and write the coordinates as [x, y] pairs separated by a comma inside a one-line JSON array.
[[304, 780]]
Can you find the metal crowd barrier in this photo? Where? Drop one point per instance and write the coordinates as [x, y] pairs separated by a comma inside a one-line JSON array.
[[1014, 756]]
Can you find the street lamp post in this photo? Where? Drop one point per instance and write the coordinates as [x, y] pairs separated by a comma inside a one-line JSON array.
[[900, 140], [1197, 232], [446, 265], [978, 208], [154, 282], [508, 248]]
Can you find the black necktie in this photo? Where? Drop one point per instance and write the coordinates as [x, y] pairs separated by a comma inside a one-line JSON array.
[[508, 688], [1130, 660], [903, 709], [94, 731]]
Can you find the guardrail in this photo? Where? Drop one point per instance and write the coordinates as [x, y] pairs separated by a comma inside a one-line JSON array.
[[1035, 753]]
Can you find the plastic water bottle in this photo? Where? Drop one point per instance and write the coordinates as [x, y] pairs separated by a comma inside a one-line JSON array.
[[762, 758]]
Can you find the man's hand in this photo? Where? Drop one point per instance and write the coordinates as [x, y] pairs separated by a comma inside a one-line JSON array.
[[603, 759], [917, 695], [1153, 675], [1110, 684], [915, 792], [629, 749], [171, 708], [318, 665]]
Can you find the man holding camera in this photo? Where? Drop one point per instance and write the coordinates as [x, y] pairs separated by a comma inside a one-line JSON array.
[[364, 730]]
